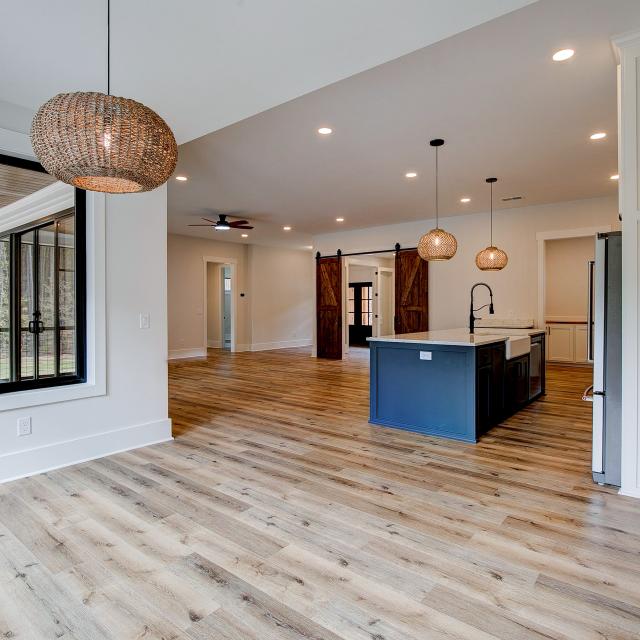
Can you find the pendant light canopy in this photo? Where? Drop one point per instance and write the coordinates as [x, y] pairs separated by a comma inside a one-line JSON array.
[[437, 244], [101, 142], [492, 258]]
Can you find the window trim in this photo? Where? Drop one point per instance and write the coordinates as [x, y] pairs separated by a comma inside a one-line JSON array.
[[79, 206]]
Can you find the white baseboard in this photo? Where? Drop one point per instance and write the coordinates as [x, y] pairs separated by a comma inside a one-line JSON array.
[[198, 352], [214, 344], [28, 462], [632, 492], [282, 344]]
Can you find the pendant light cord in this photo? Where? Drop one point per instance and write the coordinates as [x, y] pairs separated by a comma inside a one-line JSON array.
[[437, 215], [108, 47]]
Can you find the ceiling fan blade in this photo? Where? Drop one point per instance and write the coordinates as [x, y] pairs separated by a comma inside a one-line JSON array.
[[201, 225], [244, 226], [211, 221], [238, 223]]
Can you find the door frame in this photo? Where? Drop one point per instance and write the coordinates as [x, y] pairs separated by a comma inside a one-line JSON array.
[[360, 262], [564, 234], [232, 263]]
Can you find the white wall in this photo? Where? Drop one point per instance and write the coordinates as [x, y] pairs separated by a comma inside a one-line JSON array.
[[567, 285], [133, 412], [515, 288], [276, 310]]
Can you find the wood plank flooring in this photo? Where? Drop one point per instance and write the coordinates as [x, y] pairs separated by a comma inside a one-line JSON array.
[[279, 513]]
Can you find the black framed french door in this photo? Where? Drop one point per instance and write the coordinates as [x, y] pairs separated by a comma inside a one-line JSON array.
[[360, 312]]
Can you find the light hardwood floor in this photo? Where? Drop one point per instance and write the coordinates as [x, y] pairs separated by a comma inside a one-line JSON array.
[[280, 513]]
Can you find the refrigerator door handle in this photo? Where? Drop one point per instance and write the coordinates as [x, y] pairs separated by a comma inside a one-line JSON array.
[[591, 266]]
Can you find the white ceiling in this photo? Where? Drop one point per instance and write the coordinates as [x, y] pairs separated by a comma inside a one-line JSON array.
[[204, 64], [492, 92]]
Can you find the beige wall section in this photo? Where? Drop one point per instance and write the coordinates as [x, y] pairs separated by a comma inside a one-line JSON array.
[[567, 285], [360, 273], [276, 310], [282, 297], [515, 288], [186, 270]]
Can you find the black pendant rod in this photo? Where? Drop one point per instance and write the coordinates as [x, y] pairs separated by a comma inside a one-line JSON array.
[[491, 181], [437, 142], [339, 253]]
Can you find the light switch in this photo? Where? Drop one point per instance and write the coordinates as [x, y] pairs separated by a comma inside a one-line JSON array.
[[24, 426], [145, 321], [425, 355]]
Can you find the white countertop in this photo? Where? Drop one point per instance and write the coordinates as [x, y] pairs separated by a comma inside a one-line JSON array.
[[457, 337]]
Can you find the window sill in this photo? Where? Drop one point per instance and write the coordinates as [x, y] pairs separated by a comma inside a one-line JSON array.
[[51, 395]]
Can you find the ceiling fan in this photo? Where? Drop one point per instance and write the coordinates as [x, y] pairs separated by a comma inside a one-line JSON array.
[[222, 224]]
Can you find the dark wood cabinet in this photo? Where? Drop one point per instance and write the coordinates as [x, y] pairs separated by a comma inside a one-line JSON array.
[[490, 363], [516, 384]]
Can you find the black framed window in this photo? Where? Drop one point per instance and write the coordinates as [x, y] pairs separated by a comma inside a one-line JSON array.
[[42, 288]]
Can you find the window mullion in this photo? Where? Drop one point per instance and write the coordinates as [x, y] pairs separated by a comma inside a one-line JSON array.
[[14, 307], [56, 298], [36, 302]]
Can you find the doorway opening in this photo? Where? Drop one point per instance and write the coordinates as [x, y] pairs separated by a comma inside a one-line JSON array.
[[219, 303], [368, 289], [564, 264]]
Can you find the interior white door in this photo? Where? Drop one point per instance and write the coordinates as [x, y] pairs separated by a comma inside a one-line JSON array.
[[385, 301]]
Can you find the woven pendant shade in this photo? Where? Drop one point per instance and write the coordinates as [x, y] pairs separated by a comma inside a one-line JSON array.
[[103, 143], [437, 245], [491, 259]]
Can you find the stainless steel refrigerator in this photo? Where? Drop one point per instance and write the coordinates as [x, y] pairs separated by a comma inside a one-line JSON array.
[[605, 351]]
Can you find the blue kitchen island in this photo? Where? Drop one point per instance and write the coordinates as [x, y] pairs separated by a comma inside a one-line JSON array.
[[453, 383]]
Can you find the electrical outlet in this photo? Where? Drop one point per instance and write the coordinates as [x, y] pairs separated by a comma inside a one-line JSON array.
[[145, 321], [24, 426]]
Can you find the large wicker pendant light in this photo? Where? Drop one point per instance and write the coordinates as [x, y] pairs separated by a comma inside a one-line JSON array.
[[491, 258], [103, 143], [437, 244]]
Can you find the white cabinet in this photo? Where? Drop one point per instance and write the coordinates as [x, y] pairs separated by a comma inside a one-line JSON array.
[[567, 343], [560, 342]]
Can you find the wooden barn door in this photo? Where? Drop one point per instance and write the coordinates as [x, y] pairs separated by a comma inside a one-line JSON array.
[[412, 297], [329, 308]]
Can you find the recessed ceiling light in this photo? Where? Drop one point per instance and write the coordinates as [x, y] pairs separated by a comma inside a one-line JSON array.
[[308, 246], [615, 176], [599, 135], [465, 200], [287, 228], [325, 131], [181, 178], [245, 235], [339, 219], [563, 54], [411, 174]]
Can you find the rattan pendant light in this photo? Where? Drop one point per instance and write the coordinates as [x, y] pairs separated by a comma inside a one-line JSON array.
[[437, 244], [491, 258], [101, 142]]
